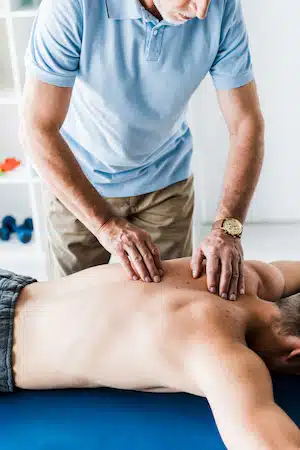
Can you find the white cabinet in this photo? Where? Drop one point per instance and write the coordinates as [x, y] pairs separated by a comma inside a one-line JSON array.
[[20, 189]]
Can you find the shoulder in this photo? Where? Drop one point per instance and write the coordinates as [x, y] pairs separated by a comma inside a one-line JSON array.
[[60, 11], [264, 280], [232, 11], [49, 5], [231, 5]]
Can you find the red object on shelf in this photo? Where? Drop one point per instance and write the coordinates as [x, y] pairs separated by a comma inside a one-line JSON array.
[[9, 164]]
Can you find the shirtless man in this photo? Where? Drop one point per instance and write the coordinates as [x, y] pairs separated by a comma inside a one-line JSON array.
[[96, 328]]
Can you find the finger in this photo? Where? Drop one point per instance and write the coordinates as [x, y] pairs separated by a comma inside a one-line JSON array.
[[156, 256], [138, 262], [148, 261], [225, 279], [196, 263], [232, 295], [212, 269], [241, 283], [126, 264]]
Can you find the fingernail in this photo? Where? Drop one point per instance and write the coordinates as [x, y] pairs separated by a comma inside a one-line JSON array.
[[224, 295], [194, 273], [232, 297], [156, 279], [147, 279], [161, 272], [242, 291], [135, 278], [212, 290]]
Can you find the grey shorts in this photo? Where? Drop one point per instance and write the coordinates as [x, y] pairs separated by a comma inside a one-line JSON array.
[[10, 288]]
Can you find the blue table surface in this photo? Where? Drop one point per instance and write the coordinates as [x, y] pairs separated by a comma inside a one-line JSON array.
[[108, 419]]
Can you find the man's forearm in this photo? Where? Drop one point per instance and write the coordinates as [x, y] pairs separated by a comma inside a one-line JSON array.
[[59, 168], [242, 171]]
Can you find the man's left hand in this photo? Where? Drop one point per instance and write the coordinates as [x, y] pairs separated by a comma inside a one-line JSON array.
[[224, 264]]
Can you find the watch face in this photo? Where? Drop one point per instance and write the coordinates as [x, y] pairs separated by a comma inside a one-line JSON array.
[[233, 227]]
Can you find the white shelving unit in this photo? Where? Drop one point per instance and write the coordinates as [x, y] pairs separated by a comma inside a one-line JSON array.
[[21, 189]]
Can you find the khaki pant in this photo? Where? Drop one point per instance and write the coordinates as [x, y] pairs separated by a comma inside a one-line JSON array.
[[165, 214]]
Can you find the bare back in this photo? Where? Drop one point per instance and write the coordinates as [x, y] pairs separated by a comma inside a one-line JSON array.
[[97, 328]]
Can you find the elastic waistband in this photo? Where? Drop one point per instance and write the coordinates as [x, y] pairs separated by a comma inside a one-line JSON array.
[[10, 287]]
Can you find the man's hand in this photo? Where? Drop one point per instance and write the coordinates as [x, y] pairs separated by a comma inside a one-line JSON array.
[[138, 254], [224, 265]]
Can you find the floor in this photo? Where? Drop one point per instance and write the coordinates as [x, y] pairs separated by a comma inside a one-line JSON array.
[[266, 242]]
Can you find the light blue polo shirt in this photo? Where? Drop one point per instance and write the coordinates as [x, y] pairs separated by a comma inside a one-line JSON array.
[[132, 78]]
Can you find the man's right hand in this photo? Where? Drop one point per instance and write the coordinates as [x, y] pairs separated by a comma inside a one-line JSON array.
[[138, 254]]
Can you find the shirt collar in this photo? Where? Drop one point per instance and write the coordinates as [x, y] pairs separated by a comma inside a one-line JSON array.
[[124, 9]]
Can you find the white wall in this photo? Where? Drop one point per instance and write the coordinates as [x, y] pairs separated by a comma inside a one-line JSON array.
[[274, 33]]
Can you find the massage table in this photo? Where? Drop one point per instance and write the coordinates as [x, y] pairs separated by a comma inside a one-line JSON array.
[[108, 419]]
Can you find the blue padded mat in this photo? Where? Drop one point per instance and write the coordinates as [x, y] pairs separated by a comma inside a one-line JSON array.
[[108, 419]]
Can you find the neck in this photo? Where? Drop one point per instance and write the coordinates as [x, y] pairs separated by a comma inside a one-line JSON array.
[[263, 328], [149, 5], [266, 315]]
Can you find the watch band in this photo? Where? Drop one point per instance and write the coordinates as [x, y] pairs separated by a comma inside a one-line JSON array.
[[218, 224]]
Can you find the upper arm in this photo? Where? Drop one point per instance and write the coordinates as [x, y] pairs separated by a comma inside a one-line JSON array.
[[290, 273], [52, 63], [239, 390], [232, 72], [54, 48], [268, 280], [232, 66], [239, 374], [44, 106], [276, 280], [241, 106]]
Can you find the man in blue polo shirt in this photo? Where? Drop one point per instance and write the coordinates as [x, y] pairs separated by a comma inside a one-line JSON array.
[[108, 83]]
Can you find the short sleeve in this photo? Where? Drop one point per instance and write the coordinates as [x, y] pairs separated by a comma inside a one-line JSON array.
[[53, 52], [232, 66]]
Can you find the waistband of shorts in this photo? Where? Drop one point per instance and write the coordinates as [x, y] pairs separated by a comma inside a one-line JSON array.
[[10, 286]]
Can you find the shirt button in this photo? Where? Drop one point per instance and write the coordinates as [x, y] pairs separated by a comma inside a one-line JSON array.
[[155, 32]]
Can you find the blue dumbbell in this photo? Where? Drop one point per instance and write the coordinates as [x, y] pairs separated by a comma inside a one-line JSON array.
[[28, 223], [10, 223], [24, 235], [5, 233]]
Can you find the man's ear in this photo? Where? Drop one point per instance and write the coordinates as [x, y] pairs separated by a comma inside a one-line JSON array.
[[292, 357]]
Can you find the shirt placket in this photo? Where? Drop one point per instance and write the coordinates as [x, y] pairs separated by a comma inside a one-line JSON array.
[[154, 37]]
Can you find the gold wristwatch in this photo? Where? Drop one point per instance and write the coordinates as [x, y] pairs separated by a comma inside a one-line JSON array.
[[231, 226]]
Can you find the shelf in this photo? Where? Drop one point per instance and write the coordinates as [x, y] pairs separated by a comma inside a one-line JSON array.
[[25, 11], [16, 176], [8, 97], [6, 74], [24, 259], [3, 9], [22, 28], [36, 179], [14, 247]]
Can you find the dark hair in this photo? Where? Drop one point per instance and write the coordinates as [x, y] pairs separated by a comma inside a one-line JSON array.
[[290, 315]]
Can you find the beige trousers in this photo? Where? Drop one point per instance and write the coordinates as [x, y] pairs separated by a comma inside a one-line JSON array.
[[165, 214]]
